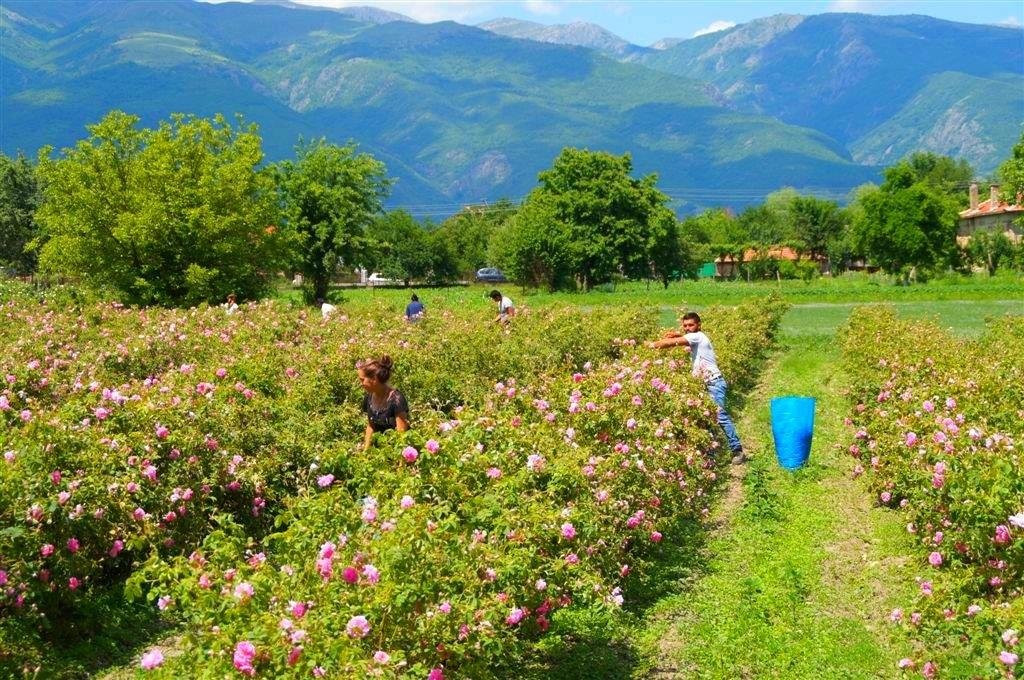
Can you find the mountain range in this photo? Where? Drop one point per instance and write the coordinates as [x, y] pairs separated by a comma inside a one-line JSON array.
[[464, 114]]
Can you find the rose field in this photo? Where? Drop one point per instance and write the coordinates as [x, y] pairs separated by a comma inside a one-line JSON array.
[[184, 493]]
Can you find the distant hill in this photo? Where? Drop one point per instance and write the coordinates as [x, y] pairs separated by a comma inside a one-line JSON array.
[[367, 14], [459, 114], [871, 82], [578, 33]]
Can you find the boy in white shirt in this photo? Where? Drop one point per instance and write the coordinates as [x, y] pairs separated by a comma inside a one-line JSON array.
[[230, 307], [326, 308], [705, 367], [506, 310]]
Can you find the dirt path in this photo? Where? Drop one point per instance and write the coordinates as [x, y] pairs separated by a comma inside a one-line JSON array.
[[799, 569]]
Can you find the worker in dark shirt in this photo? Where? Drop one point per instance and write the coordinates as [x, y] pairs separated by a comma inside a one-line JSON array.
[[415, 309], [384, 406]]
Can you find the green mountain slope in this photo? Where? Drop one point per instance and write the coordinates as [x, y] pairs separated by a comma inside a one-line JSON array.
[[847, 75], [459, 114], [953, 114]]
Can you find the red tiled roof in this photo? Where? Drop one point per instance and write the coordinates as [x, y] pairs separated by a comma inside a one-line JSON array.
[[987, 208]]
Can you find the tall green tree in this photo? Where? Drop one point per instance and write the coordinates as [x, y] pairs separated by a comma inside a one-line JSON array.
[[469, 232], [816, 223], [402, 249], [179, 214], [905, 223], [533, 247], [330, 195], [610, 217], [989, 249], [714, 233], [19, 199], [765, 226], [1011, 173], [949, 175]]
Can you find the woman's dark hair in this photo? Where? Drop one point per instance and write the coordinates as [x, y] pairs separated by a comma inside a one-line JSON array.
[[231, 296], [378, 369], [691, 316], [495, 294], [415, 297]]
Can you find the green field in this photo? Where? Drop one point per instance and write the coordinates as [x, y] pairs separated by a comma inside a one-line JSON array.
[[818, 307]]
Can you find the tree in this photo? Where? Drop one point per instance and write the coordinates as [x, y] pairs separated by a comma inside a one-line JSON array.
[[603, 217], [816, 223], [905, 223], [765, 226], [941, 172], [19, 199], [989, 249], [1011, 172], [402, 249], [444, 262], [533, 248], [469, 232], [179, 214], [330, 195]]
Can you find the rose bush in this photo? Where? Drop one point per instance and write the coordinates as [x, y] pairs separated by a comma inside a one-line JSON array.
[[125, 431], [546, 496], [936, 430], [140, 435]]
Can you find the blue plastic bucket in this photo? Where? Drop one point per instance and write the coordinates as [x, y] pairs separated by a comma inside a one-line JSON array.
[[792, 428]]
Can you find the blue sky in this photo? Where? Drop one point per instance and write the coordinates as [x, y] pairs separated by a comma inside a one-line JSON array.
[[645, 21]]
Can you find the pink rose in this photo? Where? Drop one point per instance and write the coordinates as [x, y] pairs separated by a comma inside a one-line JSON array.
[[515, 616], [568, 531], [245, 654], [1002, 536], [410, 454], [357, 627], [152, 659]]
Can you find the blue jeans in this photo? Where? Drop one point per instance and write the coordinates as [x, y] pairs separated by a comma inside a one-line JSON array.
[[716, 388]]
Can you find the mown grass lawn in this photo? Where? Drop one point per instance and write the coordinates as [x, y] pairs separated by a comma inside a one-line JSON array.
[[803, 570]]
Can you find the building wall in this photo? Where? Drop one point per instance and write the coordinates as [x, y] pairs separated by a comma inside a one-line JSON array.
[[1003, 222]]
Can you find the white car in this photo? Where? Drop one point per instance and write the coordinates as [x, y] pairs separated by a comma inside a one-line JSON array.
[[377, 279]]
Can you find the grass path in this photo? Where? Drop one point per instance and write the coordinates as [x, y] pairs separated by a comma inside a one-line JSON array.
[[801, 569]]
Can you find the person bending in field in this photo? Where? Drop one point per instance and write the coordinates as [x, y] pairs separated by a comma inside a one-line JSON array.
[[384, 406], [705, 367], [506, 310], [415, 310], [231, 306]]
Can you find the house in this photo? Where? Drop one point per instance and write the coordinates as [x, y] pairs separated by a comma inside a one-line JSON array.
[[729, 266], [991, 215]]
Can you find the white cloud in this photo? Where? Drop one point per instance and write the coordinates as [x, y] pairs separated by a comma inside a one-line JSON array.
[[714, 27], [1010, 22], [542, 7], [620, 8]]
